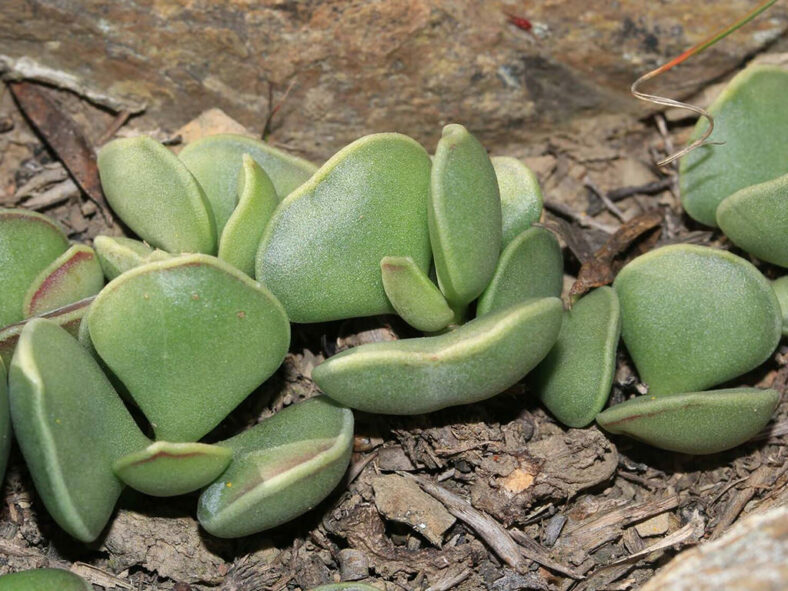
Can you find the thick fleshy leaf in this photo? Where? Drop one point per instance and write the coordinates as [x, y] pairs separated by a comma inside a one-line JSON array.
[[257, 201], [118, 254], [156, 195], [281, 468], [696, 422], [43, 579], [693, 317], [464, 216], [68, 317], [321, 252], [5, 421], [190, 337], [71, 426], [781, 289], [73, 276], [476, 361], [751, 126], [414, 297], [29, 242], [575, 378], [165, 469], [756, 219], [531, 266], [521, 196], [215, 161]]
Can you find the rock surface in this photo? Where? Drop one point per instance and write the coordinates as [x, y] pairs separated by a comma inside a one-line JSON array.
[[751, 556], [357, 67]]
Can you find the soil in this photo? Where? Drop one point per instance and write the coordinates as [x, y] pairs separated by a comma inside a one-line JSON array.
[[495, 495]]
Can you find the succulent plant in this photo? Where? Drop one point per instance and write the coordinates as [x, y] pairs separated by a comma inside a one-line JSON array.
[[190, 337], [575, 378], [781, 289], [29, 242], [693, 422], [750, 142], [320, 253], [694, 317], [186, 336], [43, 579]]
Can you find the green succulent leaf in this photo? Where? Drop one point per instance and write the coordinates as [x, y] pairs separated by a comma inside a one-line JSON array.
[[29, 242], [476, 361], [693, 423], [156, 195], [751, 126], [43, 579], [464, 216], [781, 289], [575, 378], [117, 254], [693, 317], [73, 276], [521, 196], [5, 421], [215, 161], [257, 201], [756, 219], [320, 254], [165, 469], [531, 266], [281, 468], [414, 297], [190, 338], [68, 317], [71, 426]]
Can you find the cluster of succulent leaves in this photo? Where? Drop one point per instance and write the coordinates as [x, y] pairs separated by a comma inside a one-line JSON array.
[[239, 239]]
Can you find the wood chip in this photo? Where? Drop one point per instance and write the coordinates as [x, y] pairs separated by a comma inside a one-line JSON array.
[[656, 526], [490, 530], [602, 268], [63, 135], [401, 500]]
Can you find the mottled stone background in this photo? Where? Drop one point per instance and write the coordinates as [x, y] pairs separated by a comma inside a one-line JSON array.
[[363, 66]]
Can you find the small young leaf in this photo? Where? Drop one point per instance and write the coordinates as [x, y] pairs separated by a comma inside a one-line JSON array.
[[781, 289], [71, 426], [190, 337], [165, 469], [156, 195], [476, 361], [414, 297], [5, 421], [751, 126], [257, 201], [575, 378], [531, 266], [321, 251], [73, 276], [693, 317], [28, 243], [43, 579], [117, 254], [521, 197], [281, 468], [464, 216], [215, 161], [693, 423], [68, 317], [756, 219]]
